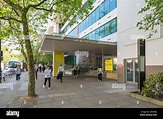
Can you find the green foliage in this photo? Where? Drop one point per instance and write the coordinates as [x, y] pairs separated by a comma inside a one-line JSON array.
[[41, 58], [7, 55], [153, 17], [153, 85]]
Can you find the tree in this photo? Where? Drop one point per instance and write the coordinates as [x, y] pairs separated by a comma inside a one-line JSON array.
[[153, 18], [32, 14], [41, 58]]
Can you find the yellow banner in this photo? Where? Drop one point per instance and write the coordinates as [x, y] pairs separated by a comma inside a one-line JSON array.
[[59, 59], [109, 65]]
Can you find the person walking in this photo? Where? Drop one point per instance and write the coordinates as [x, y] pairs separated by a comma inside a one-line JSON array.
[[3, 75], [99, 72], [60, 72], [75, 71], [47, 75], [78, 69], [18, 73]]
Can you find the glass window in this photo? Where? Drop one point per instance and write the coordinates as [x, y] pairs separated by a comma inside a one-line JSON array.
[[83, 25], [89, 20], [102, 32], [113, 26], [112, 4], [86, 37], [101, 10], [107, 29], [73, 32], [93, 37], [97, 34], [80, 27], [93, 19], [97, 13], [86, 23], [107, 8]]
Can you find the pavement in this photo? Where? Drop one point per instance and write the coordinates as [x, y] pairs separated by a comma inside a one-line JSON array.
[[74, 92]]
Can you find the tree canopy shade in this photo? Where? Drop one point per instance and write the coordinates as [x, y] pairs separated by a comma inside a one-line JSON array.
[[25, 15], [153, 18]]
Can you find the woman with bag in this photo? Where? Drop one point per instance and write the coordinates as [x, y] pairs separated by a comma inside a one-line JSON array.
[[60, 72]]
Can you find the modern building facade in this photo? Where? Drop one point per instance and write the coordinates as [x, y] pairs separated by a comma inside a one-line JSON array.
[[100, 25], [98, 31], [109, 31]]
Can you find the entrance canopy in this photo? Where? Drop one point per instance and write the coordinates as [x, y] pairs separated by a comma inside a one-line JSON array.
[[68, 45]]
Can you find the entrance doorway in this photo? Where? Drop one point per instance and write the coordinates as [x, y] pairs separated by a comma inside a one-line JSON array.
[[131, 70]]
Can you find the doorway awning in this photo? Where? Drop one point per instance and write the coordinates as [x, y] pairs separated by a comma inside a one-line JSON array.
[[66, 44]]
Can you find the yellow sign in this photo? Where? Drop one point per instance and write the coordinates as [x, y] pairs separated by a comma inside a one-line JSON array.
[[59, 59], [109, 65]]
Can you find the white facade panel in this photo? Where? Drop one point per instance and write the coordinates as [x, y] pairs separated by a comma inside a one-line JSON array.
[[128, 33], [154, 49]]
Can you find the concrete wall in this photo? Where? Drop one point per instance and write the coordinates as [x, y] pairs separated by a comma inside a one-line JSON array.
[[128, 33]]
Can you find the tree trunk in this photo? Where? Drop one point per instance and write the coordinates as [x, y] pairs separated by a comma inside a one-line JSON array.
[[23, 52], [30, 64]]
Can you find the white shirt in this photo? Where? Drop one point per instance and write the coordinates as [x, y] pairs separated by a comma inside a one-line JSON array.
[[60, 69], [47, 73]]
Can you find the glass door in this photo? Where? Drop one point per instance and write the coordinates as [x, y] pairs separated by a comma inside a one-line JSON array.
[[136, 70], [131, 70]]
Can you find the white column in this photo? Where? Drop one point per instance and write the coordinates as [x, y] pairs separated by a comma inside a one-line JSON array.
[[56, 27], [53, 63], [102, 59]]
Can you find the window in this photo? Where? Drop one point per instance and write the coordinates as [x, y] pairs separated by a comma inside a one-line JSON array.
[[102, 11], [97, 13], [93, 37], [113, 4], [105, 30], [107, 8]]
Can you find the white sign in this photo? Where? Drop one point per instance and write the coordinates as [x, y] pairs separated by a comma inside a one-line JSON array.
[[82, 53]]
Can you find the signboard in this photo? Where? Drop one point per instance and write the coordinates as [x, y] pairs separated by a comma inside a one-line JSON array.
[[59, 59], [109, 65]]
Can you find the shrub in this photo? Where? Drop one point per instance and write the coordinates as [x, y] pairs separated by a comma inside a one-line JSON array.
[[153, 86]]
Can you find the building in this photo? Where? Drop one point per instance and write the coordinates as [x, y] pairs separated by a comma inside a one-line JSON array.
[[127, 35], [109, 32], [92, 35]]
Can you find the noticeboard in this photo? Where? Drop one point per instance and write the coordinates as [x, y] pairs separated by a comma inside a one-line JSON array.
[[109, 65]]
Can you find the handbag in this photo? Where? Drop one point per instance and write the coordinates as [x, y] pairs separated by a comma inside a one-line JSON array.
[[58, 76]]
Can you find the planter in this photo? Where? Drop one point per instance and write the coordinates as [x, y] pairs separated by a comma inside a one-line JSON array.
[[147, 99]]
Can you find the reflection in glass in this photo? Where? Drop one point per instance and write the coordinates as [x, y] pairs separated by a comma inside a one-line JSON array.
[[106, 7], [130, 70], [136, 71]]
